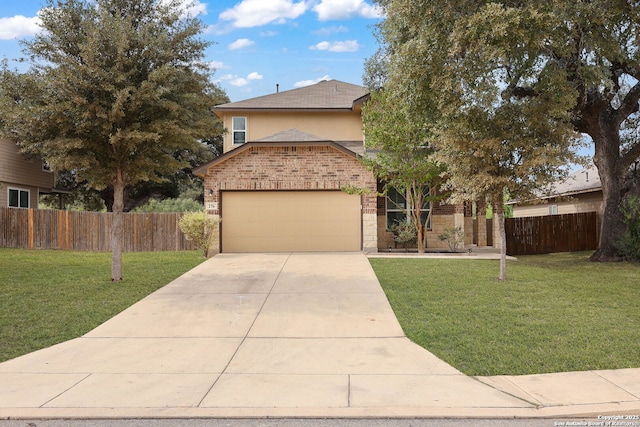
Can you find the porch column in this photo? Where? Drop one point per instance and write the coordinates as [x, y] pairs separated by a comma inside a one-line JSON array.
[[481, 218]]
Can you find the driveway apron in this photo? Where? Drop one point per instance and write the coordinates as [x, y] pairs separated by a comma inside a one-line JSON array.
[[302, 334]]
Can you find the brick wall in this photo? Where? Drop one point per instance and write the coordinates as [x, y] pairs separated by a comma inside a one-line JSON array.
[[307, 167], [444, 216]]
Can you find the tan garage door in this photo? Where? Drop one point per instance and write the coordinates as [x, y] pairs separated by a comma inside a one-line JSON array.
[[290, 221]]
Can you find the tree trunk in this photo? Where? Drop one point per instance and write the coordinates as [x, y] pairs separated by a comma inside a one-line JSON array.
[[607, 160], [420, 238], [499, 214], [416, 199], [117, 227]]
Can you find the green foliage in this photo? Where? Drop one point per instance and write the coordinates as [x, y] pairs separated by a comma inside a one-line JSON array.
[[512, 82], [629, 243], [118, 85], [117, 92], [170, 205], [200, 228], [404, 232], [354, 190], [404, 158], [454, 236]]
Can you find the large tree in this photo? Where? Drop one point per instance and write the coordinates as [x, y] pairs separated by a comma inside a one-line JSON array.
[[115, 90], [485, 54]]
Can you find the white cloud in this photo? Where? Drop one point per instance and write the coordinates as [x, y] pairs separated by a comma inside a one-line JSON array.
[[19, 26], [241, 44], [268, 33], [254, 13], [303, 83], [345, 9], [237, 81], [343, 46], [216, 65], [328, 31]]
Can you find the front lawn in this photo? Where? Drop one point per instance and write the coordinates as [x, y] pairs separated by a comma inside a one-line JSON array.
[[47, 297], [555, 313]]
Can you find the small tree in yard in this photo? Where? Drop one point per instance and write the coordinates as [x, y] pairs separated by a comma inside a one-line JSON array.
[[405, 160], [454, 237], [464, 68], [199, 228], [115, 89]]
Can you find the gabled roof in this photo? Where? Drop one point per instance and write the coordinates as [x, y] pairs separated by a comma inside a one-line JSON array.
[[287, 138], [291, 135], [326, 95], [581, 181]]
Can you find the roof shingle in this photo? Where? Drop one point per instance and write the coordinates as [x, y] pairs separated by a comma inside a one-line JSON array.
[[328, 94]]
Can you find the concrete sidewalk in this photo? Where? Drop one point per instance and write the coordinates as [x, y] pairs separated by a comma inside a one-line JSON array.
[[280, 335]]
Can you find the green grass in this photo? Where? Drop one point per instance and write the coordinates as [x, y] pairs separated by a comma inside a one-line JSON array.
[[554, 313], [47, 297]]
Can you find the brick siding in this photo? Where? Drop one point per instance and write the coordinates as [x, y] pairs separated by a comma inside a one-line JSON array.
[[309, 167]]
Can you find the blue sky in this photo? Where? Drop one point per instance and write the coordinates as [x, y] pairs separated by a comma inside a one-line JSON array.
[[258, 43]]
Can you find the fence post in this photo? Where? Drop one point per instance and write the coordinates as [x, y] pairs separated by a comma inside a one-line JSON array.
[[30, 228]]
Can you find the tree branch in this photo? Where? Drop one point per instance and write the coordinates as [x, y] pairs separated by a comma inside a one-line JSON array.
[[629, 104], [630, 157]]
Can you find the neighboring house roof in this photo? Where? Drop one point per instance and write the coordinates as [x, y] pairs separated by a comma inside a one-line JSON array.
[[326, 95], [582, 181]]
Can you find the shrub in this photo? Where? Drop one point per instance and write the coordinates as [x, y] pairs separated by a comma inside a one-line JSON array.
[[200, 228], [629, 244], [170, 205], [404, 232], [454, 236]]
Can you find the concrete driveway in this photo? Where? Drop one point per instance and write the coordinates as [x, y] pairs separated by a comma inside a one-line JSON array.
[[309, 335]]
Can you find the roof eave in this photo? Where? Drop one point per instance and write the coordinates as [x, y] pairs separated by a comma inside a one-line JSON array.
[[558, 195], [284, 110]]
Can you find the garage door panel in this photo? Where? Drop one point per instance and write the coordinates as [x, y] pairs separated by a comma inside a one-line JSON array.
[[256, 221]]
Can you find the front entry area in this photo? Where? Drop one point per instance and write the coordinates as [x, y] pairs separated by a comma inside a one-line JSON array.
[[290, 221]]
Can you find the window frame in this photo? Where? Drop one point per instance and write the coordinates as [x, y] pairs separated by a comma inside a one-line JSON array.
[[553, 209], [235, 131], [20, 192], [405, 207]]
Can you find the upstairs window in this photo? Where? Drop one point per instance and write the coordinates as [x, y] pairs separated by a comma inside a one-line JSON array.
[[18, 198], [239, 131]]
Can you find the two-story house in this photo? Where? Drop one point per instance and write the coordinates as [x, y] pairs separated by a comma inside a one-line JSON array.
[[22, 179], [287, 158]]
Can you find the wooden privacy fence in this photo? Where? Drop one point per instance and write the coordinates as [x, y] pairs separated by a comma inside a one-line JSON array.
[[89, 231], [553, 233]]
